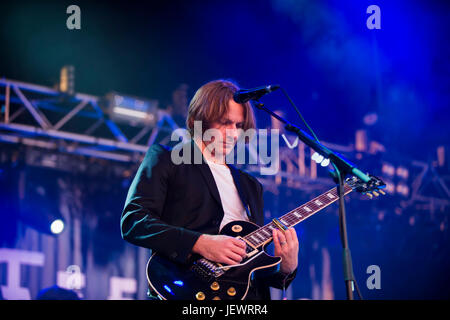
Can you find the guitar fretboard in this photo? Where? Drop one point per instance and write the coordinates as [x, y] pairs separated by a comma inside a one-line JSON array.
[[264, 234]]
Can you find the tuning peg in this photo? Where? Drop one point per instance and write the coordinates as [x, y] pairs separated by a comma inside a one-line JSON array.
[[369, 195], [376, 194], [382, 192]]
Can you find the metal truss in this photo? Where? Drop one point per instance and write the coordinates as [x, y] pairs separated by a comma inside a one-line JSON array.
[[42, 117], [26, 120], [430, 190]]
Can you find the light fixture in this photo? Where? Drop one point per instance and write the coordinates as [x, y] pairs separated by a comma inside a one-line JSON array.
[[67, 80], [57, 226], [131, 110], [318, 158], [402, 172], [390, 187], [325, 162], [388, 169], [402, 189]]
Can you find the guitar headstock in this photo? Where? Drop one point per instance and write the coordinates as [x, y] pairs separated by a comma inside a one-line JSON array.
[[371, 188]]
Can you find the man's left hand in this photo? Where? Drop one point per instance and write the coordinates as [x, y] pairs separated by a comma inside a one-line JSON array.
[[286, 247]]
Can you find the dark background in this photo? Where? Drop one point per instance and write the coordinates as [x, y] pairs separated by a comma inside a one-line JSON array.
[[333, 67]]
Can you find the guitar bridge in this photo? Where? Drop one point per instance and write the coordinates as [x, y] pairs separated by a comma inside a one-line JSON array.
[[206, 269]]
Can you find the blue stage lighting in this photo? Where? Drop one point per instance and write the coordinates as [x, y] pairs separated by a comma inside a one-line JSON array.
[[57, 226]]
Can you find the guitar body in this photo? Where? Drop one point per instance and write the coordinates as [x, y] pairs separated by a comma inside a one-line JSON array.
[[202, 279]]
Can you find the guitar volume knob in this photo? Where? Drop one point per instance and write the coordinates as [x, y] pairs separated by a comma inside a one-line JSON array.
[[231, 291], [200, 296], [215, 286]]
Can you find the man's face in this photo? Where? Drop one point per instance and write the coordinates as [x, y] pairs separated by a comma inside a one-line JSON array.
[[228, 127]]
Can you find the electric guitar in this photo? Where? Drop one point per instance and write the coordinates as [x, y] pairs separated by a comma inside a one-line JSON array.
[[202, 279]]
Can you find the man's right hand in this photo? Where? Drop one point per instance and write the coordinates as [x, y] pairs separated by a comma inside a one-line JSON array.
[[220, 248]]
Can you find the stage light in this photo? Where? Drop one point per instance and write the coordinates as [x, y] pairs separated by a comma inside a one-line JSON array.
[[42, 221], [402, 189], [370, 119], [131, 110], [402, 172], [361, 140], [67, 80], [325, 162], [390, 187], [320, 159], [388, 169], [57, 226], [130, 113], [316, 157]]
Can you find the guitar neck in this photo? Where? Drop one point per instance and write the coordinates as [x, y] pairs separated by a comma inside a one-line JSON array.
[[263, 235]]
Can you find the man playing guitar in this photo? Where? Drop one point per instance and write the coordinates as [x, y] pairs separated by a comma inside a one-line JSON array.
[[177, 210]]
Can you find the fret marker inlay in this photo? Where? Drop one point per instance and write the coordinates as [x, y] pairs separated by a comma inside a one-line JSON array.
[[264, 234]]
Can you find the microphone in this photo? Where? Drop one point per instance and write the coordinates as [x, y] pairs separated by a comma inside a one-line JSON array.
[[242, 96]]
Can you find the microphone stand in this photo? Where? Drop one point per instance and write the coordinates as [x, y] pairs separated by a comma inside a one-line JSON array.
[[342, 167]]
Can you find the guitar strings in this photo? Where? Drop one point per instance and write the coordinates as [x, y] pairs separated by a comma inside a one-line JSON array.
[[290, 219]]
